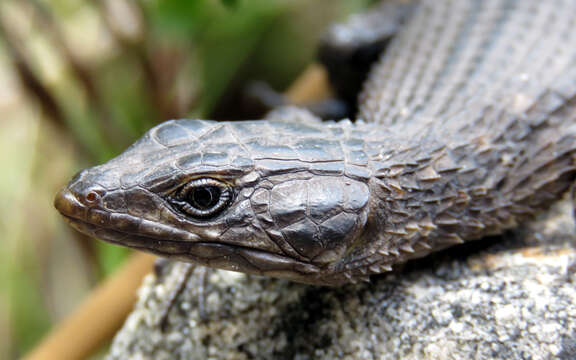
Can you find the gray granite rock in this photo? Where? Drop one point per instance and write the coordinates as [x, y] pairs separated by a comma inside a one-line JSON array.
[[511, 297]]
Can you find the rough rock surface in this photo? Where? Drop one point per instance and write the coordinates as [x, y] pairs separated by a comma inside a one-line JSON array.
[[511, 297]]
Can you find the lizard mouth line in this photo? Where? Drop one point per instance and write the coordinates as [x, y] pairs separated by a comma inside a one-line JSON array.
[[212, 254]]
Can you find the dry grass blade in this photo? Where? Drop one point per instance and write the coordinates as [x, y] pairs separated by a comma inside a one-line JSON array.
[[29, 79], [83, 74]]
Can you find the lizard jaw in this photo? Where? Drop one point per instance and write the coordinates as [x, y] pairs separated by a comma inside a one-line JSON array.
[[189, 248]]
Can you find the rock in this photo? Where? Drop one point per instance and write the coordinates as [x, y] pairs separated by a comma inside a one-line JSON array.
[[510, 297]]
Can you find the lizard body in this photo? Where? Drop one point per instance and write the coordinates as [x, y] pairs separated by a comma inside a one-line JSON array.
[[466, 127]]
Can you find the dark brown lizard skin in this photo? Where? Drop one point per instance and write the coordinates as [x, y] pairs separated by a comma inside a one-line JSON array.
[[467, 126]]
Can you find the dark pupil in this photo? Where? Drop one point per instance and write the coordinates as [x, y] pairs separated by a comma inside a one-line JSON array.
[[205, 197]]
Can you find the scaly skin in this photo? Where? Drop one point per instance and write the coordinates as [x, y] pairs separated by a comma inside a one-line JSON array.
[[466, 127]]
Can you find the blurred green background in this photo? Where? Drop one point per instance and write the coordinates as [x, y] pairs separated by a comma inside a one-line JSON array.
[[79, 81]]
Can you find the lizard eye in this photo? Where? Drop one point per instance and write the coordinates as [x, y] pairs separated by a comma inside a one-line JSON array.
[[202, 198]]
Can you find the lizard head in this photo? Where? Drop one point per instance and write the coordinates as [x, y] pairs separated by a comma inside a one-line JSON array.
[[270, 198]]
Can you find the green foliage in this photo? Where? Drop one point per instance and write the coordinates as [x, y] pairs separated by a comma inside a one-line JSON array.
[[218, 35], [230, 3]]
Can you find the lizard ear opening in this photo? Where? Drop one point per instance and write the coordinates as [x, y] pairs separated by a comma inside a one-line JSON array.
[[319, 217]]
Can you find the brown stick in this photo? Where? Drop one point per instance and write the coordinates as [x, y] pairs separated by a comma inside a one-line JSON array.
[[99, 317], [312, 85]]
